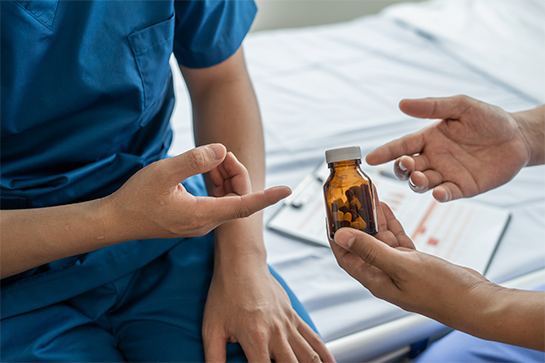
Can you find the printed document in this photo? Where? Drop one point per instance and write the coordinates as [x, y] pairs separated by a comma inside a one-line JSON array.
[[463, 232]]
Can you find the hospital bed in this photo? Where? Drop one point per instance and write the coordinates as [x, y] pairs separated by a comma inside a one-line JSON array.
[[339, 85]]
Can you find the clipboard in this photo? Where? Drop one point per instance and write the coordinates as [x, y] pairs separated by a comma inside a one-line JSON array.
[[463, 232]]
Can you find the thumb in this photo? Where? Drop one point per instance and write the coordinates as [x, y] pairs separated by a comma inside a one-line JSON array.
[[199, 160], [367, 248]]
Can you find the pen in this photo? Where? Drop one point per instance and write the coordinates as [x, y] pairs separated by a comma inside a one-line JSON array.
[[387, 170], [304, 191]]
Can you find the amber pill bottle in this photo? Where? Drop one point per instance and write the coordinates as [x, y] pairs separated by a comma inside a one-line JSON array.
[[349, 194]]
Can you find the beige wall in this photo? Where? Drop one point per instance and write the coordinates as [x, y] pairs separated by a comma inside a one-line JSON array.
[[297, 13]]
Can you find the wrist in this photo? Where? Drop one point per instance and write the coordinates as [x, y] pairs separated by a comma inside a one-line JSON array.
[[511, 316], [488, 314], [517, 317], [531, 124], [113, 223], [476, 310], [239, 243]]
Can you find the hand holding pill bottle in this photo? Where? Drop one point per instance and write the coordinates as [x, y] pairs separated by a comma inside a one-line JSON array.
[[349, 193]]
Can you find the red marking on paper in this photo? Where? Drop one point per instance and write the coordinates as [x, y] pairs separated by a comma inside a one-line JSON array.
[[423, 221]]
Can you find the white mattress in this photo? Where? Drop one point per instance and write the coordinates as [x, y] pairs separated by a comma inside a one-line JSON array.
[[339, 85]]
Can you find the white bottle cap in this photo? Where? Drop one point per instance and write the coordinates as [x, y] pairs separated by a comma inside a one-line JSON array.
[[342, 154]]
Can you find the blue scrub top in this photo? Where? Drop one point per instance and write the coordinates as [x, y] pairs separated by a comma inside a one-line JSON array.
[[86, 101]]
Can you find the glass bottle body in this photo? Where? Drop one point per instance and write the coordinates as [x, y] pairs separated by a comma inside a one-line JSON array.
[[350, 198]]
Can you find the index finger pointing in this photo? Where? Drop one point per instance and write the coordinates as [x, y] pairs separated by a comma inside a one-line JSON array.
[[406, 145], [432, 108], [232, 207]]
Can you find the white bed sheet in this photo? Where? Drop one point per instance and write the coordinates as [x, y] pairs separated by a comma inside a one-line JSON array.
[[503, 38], [338, 85]]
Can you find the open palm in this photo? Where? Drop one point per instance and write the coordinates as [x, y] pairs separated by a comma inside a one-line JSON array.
[[475, 147]]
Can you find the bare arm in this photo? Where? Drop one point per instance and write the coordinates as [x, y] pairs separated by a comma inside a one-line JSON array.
[[532, 125], [225, 110], [245, 303], [151, 204], [33, 237], [455, 296], [475, 146]]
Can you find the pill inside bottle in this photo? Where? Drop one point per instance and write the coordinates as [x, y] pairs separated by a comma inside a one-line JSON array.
[[349, 194]]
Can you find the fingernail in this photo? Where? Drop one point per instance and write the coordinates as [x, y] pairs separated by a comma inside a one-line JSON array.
[[217, 150], [444, 197], [402, 167], [233, 155], [401, 171], [345, 238], [414, 187]]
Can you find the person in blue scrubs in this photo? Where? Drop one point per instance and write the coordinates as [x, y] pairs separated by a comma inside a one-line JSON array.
[[474, 148], [112, 251]]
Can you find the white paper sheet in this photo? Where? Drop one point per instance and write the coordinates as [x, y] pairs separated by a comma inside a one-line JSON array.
[[463, 232]]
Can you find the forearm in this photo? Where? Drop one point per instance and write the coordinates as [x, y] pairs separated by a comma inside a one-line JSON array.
[[226, 111], [509, 316], [532, 126], [238, 127], [520, 318], [33, 237], [151, 204], [229, 115]]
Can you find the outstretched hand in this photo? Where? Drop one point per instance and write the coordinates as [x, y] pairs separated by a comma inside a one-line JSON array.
[[474, 148], [393, 270], [154, 204]]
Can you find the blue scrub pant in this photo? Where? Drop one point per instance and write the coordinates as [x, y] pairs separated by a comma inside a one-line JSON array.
[[458, 347], [153, 314]]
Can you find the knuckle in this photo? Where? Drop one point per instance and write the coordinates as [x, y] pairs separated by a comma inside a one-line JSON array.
[[369, 255], [156, 169], [198, 225], [314, 358], [207, 331], [464, 102], [202, 231], [194, 222], [318, 338], [277, 329], [461, 98], [341, 262], [259, 335], [243, 211], [404, 144], [198, 159]]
